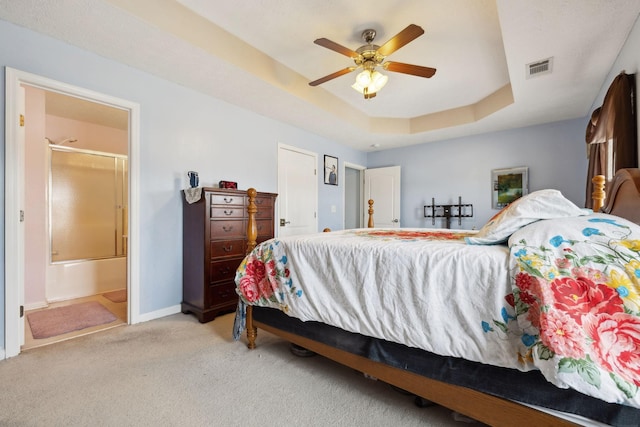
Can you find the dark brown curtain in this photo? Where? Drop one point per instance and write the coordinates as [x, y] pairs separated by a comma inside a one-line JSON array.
[[611, 133]]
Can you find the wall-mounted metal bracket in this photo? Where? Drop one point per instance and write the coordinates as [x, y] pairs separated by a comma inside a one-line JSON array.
[[459, 211]]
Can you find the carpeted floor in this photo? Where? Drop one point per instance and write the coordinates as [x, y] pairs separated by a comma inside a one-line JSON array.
[[176, 371]]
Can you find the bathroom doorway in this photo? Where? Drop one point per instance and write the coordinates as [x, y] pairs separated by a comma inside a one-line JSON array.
[[81, 202], [71, 130]]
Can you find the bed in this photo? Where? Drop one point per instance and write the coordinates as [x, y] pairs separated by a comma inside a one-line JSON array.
[[514, 352]]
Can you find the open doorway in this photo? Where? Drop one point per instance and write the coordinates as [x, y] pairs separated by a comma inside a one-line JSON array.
[[353, 195], [76, 220], [93, 137], [382, 185]]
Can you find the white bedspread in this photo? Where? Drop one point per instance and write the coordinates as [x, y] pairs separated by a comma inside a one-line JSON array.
[[422, 288]]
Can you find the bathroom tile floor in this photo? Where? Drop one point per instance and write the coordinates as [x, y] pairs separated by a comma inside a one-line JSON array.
[[119, 309]]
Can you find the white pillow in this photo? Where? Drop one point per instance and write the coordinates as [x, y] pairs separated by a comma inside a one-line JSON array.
[[541, 204]]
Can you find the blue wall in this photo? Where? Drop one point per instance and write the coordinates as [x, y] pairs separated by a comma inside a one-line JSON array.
[[554, 153]]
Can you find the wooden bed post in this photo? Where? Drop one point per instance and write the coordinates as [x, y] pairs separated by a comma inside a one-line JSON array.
[[598, 194], [252, 228], [252, 331], [252, 236]]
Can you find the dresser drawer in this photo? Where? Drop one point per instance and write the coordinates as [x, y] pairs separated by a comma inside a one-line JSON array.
[[227, 199], [222, 293], [228, 229], [265, 207], [262, 213], [224, 270], [265, 227], [227, 211], [225, 248], [264, 202]]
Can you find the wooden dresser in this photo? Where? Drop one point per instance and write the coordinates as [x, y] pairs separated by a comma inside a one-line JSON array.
[[214, 243]]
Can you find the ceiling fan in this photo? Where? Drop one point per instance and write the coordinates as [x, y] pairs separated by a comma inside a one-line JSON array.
[[371, 56]]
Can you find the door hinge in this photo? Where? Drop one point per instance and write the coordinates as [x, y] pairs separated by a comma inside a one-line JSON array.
[[21, 215], [22, 311], [21, 120]]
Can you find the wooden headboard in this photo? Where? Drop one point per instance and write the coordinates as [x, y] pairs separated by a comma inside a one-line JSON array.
[[623, 195]]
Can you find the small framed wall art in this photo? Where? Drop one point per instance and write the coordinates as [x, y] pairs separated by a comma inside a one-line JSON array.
[[330, 170], [508, 185]]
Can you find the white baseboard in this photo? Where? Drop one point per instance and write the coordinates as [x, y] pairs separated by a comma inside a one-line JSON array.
[[36, 305], [159, 313], [2, 354]]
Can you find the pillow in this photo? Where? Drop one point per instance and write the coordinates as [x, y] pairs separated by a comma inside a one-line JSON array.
[[541, 204]]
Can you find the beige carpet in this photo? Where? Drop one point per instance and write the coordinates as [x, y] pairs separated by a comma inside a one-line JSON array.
[[175, 371], [57, 321]]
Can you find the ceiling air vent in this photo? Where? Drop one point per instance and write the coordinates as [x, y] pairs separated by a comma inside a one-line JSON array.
[[539, 68]]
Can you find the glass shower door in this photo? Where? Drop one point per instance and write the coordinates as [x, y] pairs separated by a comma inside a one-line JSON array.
[[88, 195]]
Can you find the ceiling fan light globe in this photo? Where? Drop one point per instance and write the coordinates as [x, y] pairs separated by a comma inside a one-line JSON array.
[[357, 87], [378, 80], [364, 78]]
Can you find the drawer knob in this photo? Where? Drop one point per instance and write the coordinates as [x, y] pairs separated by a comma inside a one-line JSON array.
[[228, 248], [227, 228], [224, 270], [228, 199], [230, 212]]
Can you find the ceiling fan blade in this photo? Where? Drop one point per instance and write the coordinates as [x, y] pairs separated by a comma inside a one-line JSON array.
[[336, 47], [415, 70], [405, 36], [332, 76]]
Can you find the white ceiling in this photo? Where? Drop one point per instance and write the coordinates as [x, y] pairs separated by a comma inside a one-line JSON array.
[[260, 55]]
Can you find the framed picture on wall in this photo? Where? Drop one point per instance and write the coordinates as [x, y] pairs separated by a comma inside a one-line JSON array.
[[508, 185], [330, 170]]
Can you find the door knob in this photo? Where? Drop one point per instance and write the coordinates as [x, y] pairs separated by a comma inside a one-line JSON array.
[[395, 220], [284, 222]]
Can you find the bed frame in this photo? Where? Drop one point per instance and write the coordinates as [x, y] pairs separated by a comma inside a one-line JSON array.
[[480, 406], [624, 192]]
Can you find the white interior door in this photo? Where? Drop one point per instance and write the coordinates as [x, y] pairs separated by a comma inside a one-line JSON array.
[[297, 191], [382, 185]]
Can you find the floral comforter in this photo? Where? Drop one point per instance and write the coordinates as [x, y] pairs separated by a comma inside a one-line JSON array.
[[562, 297], [575, 305]]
